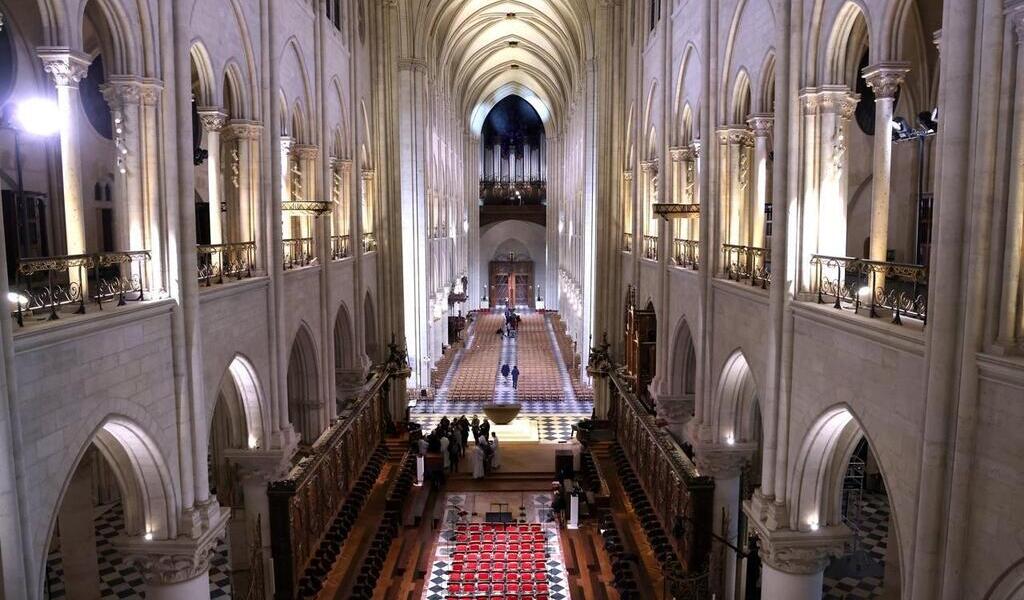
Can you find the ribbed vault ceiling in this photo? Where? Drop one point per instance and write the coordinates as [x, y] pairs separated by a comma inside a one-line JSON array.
[[485, 50]]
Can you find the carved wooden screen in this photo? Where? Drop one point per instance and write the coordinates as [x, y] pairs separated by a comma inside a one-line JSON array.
[[669, 478], [303, 506], [641, 344]]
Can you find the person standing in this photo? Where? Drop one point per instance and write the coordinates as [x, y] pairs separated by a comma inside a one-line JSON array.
[[515, 377], [445, 456], [478, 462], [485, 430], [505, 372], [495, 452]]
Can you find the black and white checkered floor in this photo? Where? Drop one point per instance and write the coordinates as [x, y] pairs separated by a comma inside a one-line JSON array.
[[553, 429], [119, 581], [536, 508], [859, 575]]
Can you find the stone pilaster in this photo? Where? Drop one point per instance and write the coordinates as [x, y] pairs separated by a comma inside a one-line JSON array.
[[761, 125]]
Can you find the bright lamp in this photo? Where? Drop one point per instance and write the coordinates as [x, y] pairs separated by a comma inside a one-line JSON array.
[[38, 116]]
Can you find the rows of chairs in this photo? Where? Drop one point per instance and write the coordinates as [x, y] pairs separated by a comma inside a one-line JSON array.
[[541, 378], [387, 531], [653, 529], [312, 579], [474, 380], [499, 560]]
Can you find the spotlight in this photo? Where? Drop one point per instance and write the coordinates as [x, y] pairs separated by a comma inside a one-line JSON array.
[[901, 129], [927, 120], [38, 116]]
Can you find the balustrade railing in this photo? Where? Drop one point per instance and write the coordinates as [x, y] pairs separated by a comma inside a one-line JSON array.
[[747, 263], [341, 246], [627, 242], [298, 252], [651, 247], [369, 242], [686, 253], [217, 261], [900, 288], [47, 283]]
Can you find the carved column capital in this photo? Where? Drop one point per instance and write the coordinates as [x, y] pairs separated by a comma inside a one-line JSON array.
[[681, 154], [721, 462], [307, 151], [122, 91], [838, 99], [885, 78], [66, 67], [244, 130], [649, 167], [165, 562], [810, 101], [761, 124], [627, 175], [366, 174], [212, 118], [736, 135], [802, 553]]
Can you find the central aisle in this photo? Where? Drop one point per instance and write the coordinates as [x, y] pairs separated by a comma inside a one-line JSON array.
[[546, 393]]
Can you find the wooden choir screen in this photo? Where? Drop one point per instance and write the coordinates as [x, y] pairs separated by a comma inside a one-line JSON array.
[[671, 481], [641, 345], [303, 506]]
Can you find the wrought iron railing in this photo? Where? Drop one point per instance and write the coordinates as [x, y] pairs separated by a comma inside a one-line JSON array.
[[900, 288], [747, 263], [651, 247], [298, 252], [369, 242], [217, 261], [686, 253], [341, 246], [47, 283], [627, 242]]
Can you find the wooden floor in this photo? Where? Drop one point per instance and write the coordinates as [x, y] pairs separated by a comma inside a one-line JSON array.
[[590, 572]]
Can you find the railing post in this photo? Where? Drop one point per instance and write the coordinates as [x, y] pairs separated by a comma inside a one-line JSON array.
[[874, 279]]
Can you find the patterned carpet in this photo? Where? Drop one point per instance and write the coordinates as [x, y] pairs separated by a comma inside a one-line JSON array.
[[859, 574], [118, 580]]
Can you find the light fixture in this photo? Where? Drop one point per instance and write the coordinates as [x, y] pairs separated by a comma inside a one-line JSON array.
[[252, 442], [38, 116], [148, 537], [313, 208], [16, 298], [730, 440], [813, 525]]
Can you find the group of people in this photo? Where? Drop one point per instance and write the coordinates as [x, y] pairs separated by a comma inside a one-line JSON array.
[[514, 372], [451, 438], [511, 326]]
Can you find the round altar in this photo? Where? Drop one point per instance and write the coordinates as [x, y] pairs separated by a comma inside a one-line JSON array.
[[502, 414]]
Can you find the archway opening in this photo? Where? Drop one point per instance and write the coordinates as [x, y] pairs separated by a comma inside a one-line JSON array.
[[120, 487], [371, 337], [348, 376], [840, 483], [303, 388]]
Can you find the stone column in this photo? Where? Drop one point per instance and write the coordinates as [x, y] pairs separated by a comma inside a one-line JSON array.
[[213, 120], [725, 464], [78, 535], [837, 105], [306, 156], [246, 135], [1010, 322], [287, 184], [366, 208], [153, 206], [740, 140], [257, 468], [177, 569], [648, 193], [761, 124], [807, 234], [68, 68], [123, 95], [680, 191], [885, 79], [793, 562]]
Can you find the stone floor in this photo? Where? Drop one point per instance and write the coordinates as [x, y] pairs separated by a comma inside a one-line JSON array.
[[119, 581], [860, 575]]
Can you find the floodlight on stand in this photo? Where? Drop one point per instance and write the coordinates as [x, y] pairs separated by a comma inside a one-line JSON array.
[[38, 116]]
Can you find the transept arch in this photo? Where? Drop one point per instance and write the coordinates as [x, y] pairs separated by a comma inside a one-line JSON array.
[[202, 67], [849, 39], [683, 374], [116, 35], [344, 339]]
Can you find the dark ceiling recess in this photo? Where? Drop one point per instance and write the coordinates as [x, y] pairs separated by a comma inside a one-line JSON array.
[[512, 122], [865, 111]]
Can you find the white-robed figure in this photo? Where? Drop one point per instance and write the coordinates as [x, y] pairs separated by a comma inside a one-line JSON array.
[[495, 452], [478, 461], [444, 452]]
